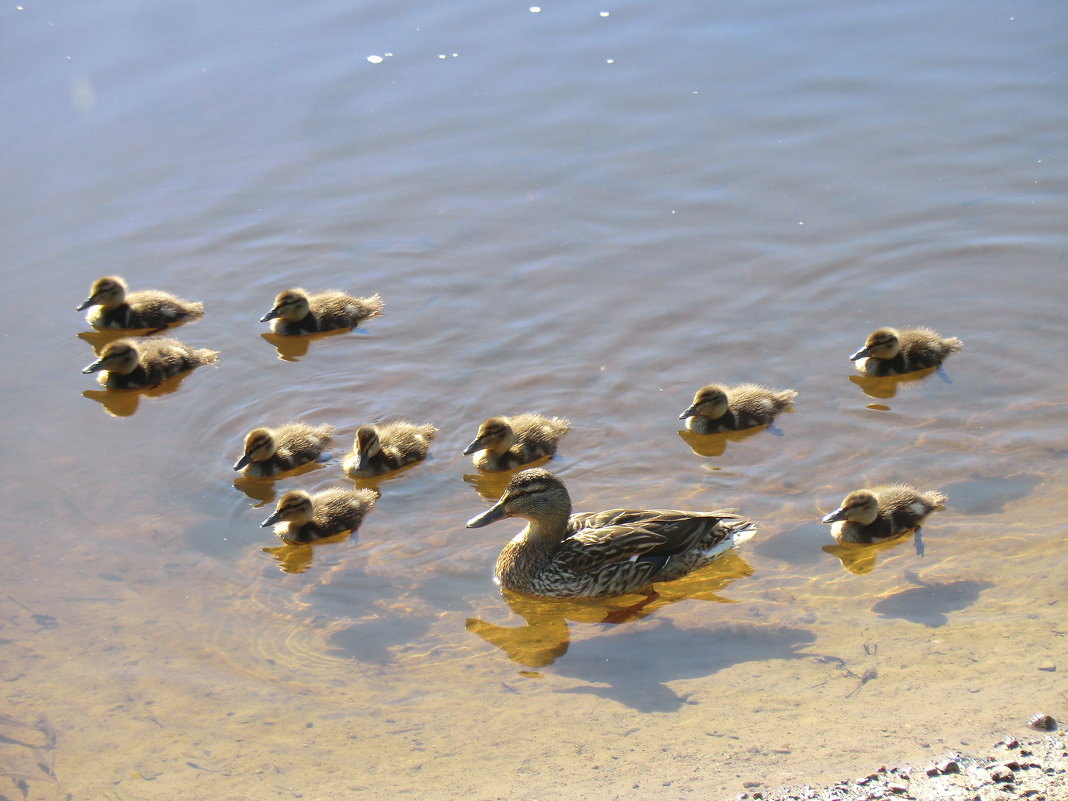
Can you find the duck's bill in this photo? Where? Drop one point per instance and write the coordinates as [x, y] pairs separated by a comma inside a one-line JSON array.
[[689, 412], [94, 367], [269, 315], [361, 461], [491, 515], [270, 521], [860, 354], [85, 304], [243, 461], [835, 516], [474, 447]]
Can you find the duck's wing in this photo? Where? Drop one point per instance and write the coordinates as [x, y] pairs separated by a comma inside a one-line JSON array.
[[637, 535]]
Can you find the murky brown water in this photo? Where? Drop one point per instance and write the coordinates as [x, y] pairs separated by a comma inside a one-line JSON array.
[[581, 214]]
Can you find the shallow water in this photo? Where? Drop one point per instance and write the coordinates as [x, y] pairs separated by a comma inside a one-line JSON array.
[[581, 214]]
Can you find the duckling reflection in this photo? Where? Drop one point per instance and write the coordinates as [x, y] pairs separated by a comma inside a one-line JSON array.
[[124, 404], [301, 517], [715, 444], [888, 351], [716, 408], [296, 312], [883, 387], [505, 443], [545, 636], [491, 486], [116, 308], [296, 557], [292, 349], [147, 363], [860, 558]]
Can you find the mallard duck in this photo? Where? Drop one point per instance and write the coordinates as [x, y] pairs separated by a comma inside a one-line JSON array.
[[143, 363], [387, 447], [867, 515], [508, 442], [297, 312], [888, 351], [270, 451], [717, 408], [146, 308], [306, 518], [560, 555]]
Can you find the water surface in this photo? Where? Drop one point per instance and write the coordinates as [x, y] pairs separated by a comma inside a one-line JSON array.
[[585, 215]]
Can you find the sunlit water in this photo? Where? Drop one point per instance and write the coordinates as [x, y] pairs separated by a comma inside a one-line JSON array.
[[584, 214]]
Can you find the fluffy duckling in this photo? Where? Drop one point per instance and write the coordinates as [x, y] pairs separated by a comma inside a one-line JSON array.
[[873, 514], [306, 518], [140, 364], [387, 447], [270, 451], [147, 308], [508, 442], [560, 555], [888, 351], [717, 408], [297, 312]]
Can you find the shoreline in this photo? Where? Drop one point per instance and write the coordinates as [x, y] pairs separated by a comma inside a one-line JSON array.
[[1031, 766]]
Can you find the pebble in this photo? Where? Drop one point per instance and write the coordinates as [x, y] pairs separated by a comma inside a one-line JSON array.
[[1042, 722]]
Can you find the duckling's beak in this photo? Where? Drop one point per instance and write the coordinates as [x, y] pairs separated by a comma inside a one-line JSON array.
[[361, 460], [270, 521], [491, 515], [473, 447], [835, 516], [269, 315], [92, 368], [860, 354], [690, 412], [86, 303], [243, 461]]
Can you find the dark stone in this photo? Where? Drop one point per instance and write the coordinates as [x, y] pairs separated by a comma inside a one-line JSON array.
[[1003, 775], [1042, 722], [949, 766]]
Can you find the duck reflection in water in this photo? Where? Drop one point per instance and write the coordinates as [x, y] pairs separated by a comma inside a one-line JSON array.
[[545, 636], [296, 557], [123, 403], [291, 349], [716, 444], [861, 558], [885, 387]]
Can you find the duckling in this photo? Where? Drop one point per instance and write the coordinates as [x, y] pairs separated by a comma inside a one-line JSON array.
[[888, 351], [508, 442], [147, 308], [387, 447], [297, 312], [717, 408], [144, 363], [561, 555], [270, 451], [873, 514], [306, 518]]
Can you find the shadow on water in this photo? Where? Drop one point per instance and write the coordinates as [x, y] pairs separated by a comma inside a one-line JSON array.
[[987, 496], [798, 546], [716, 444], [545, 635], [930, 603], [633, 671]]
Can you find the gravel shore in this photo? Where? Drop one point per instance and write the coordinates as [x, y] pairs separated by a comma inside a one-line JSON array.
[[1034, 767]]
